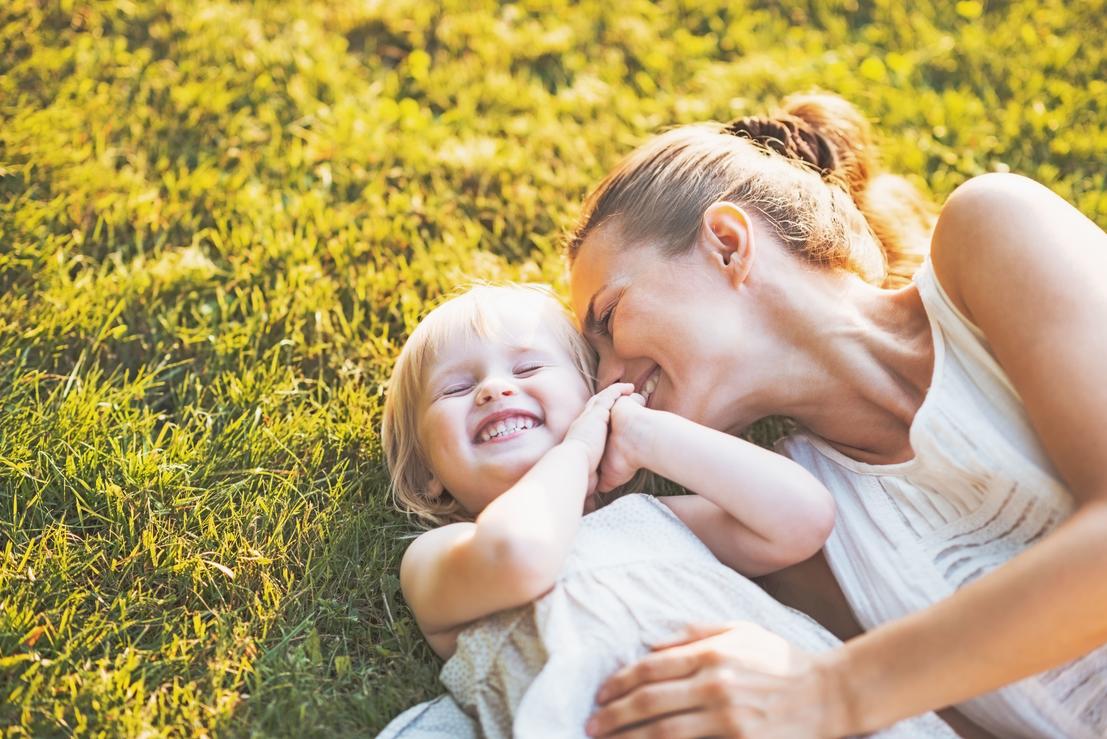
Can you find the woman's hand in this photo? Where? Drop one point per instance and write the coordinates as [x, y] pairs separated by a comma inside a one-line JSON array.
[[737, 680], [628, 442]]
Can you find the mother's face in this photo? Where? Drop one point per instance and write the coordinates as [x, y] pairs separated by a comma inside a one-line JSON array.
[[667, 324]]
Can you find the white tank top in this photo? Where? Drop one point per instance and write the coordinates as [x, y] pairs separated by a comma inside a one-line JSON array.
[[979, 491]]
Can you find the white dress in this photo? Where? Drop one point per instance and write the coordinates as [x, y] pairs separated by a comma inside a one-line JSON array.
[[635, 576], [979, 490]]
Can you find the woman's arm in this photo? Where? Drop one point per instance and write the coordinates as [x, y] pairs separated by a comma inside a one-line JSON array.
[[515, 549], [757, 511], [1031, 272]]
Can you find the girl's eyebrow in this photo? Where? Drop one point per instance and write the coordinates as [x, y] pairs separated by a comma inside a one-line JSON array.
[[442, 372]]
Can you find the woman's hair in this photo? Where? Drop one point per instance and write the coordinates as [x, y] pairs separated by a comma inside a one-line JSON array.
[[811, 172], [475, 313]]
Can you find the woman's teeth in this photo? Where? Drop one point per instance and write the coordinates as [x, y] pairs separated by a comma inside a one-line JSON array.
[[651, 384], [507, 426]]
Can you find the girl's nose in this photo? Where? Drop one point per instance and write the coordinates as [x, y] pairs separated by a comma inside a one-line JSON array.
[[493, 388]]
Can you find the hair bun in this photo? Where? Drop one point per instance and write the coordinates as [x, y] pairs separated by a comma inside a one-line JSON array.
[[791, 136]]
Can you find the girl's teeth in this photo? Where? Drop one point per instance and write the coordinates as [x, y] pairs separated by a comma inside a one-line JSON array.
[[507, 426]]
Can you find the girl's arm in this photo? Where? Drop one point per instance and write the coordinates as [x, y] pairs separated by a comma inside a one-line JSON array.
[[756, 510], [515, 549], [1031, 272]]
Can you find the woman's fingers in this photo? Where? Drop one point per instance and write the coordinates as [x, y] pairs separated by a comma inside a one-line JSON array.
[[744, 679], [656, 667], [678, 726], [691, 633], [645, 703]]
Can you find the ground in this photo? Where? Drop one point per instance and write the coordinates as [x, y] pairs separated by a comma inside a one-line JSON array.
[[218, 221]]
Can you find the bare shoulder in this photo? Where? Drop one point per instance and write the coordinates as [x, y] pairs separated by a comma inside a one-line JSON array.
[[1003, 229], [1031, 272], [426, 553]]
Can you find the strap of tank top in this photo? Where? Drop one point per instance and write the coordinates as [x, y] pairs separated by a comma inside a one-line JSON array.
[[961, 334]]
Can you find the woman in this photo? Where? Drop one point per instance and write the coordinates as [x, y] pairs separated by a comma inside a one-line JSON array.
[[757, 269]]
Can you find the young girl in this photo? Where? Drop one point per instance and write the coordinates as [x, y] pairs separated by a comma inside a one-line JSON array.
[[492, 434]]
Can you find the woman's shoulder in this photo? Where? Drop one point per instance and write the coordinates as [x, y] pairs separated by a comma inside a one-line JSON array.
[[1000, 228]]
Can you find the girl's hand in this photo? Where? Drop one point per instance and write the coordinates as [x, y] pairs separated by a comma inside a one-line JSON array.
[[737, 680], [590, 427], [627, 443]]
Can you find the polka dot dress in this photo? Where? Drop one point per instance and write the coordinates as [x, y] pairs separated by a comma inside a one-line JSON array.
[[636, 575]]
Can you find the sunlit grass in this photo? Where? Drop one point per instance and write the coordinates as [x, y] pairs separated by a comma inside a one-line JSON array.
[[218, 220]]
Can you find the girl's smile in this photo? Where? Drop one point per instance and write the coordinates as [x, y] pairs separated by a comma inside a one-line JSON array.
[[494, 406]]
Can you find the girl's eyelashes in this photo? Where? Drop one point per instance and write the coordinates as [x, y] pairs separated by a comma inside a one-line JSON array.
[[528, 369], [525, 369], [458, 389]]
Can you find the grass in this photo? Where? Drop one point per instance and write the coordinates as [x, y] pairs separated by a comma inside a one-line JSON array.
[[218, 220]]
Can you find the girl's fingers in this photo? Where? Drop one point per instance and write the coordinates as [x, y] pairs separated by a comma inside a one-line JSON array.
[[604, 400], [614, 391]]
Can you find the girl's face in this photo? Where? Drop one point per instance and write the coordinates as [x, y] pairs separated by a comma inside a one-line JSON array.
[[668, 325], [492, 408]]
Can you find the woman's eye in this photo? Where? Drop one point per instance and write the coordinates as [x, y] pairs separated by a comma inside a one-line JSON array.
[[605, 321]]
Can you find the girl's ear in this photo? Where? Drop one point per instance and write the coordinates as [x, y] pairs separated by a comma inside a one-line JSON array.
[[434, 488], [727, 239]]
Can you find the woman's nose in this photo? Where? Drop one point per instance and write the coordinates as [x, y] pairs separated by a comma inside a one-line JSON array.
[[494, 388], [609, 371]]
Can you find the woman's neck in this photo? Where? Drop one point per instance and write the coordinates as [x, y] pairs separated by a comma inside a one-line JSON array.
[[858, 364]]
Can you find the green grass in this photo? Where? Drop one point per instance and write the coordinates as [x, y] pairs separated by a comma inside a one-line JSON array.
[[219, 219]]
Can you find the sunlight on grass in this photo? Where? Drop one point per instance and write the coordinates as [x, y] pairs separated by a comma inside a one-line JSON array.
[[219, 220]]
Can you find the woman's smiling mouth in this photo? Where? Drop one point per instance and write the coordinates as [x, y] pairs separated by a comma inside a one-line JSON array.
[[647, 388]]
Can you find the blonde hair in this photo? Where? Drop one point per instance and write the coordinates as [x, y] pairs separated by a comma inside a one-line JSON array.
[[475, 313], [810, 171]]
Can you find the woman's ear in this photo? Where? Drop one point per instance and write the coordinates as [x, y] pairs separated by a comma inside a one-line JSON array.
[[727, 238]]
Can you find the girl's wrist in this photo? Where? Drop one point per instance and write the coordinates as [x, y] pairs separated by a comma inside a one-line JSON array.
[[643, 435], [576, 448], [654, 426]]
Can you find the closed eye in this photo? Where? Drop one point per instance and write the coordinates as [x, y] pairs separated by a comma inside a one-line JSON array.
[[454, 390], [526, 370], [603, 325]]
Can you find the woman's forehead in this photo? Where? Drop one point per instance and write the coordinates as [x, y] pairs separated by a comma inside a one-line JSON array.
[[602, 261]]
